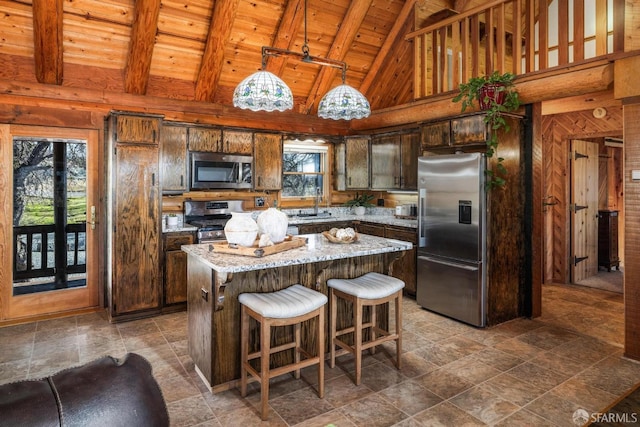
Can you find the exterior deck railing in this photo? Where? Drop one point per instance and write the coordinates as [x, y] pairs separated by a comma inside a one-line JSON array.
[[487, 38], [34, 250]]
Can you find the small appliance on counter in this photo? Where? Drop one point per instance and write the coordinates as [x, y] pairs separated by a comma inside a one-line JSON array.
[[408, 211]]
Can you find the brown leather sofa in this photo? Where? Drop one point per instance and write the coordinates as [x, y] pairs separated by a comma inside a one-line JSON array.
[[105, 392]]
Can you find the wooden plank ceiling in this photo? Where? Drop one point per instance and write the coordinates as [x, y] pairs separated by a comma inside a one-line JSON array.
[[201, 49]]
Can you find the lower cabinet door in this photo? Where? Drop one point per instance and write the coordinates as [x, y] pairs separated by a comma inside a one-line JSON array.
[[175, 277]]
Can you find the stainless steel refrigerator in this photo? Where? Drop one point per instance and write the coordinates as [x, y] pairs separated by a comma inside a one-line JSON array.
[[451, 236]]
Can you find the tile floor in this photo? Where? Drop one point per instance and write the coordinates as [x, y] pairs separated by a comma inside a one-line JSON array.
[[524, 372]]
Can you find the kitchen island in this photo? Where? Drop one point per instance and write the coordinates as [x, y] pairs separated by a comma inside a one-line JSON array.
[[215, 280]]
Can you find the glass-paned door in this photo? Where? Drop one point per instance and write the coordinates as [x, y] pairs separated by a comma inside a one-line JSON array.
[[50, 208], [49, 214]]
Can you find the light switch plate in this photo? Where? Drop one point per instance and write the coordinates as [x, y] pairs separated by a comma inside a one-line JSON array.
[[635, 175]]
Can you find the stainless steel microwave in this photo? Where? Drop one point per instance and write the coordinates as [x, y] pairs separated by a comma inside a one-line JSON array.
[[210, 171]]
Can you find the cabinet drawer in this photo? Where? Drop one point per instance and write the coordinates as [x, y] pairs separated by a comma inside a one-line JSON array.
[[173, 241], [369, 228], [401, 233]]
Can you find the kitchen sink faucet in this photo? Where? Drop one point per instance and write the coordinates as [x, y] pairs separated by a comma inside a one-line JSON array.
[[317, 201]]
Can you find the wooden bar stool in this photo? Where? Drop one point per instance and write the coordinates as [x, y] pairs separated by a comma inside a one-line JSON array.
[[290, 306], [371, 289]]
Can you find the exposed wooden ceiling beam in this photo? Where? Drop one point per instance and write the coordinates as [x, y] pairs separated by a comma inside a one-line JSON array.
[[405, 13], [47, 40], [588, 101], [224, 13], [344, 38], [285, 35], [143, 37]]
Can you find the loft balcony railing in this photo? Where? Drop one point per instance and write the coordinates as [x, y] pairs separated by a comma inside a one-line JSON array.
[[517, 36]]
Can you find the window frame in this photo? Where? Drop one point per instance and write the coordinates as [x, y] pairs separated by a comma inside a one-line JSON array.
[[303, 146]]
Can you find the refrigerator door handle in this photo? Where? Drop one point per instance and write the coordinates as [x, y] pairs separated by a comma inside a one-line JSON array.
[[449, 264], [422, 209]]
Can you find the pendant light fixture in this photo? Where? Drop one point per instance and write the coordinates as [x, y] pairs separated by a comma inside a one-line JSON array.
[[264, 91]]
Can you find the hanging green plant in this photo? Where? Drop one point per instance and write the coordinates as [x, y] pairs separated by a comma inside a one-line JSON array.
[[495, 95]]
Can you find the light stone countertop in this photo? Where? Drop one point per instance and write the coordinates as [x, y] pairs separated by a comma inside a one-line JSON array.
[[378, 219], [323, 251], [185, 227]]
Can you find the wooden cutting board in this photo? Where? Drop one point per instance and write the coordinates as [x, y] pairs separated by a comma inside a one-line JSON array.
[[290, 242]]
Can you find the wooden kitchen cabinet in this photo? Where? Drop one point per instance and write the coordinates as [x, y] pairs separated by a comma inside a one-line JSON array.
[[436, 134], [369, 228], [237, 142], [394, 161], [134, 285], [175, 267], [469, 130], [173, 159], [267, 159], [409, 153], [405, 267], [320, 227], [385, 162], [460, 131], [205, 139], [135, 129], [357, 163]]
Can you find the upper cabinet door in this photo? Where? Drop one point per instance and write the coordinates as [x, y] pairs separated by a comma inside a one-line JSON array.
[[173, 159], [385, 162], [267, 159], [357, 163], [205, 139], [469, 130], [137, 129], [409, 152], [237, 142], [436, 135]]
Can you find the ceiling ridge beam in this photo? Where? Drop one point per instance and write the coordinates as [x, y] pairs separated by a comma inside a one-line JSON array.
[[222, 18], [143, 38], [284, 38], [48, 41], [344, 38], [378, 61]]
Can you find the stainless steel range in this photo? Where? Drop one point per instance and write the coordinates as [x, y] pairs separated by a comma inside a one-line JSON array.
[[210, 217]]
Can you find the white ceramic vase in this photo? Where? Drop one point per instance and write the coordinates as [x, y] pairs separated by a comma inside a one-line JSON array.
[[274, 223], [241, 229], [359, 210]]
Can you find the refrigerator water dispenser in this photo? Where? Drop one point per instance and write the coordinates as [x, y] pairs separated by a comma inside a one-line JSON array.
[[464, 211]]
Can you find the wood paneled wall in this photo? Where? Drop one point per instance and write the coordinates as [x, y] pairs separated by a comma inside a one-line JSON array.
[[632, 232], [557, 131]]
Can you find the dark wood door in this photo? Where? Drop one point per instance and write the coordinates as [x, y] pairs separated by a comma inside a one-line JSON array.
[[136, 247]]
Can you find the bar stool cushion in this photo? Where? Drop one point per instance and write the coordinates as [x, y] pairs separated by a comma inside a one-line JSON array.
[[293, 301], [368, 286]]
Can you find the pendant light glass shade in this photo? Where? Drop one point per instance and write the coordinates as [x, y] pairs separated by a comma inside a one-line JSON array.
[[263, 91], [344, 103]]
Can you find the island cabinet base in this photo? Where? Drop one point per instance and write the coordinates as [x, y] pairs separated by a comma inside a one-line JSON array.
[[214, 327]]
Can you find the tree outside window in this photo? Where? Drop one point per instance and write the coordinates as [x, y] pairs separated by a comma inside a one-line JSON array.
[[304, 168]]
